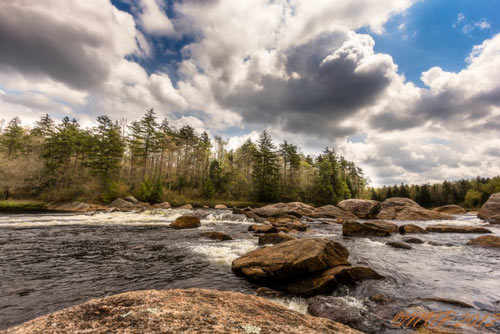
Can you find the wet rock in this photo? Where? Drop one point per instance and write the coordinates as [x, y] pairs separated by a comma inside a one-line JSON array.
[[443, 228], [413, 241], [221, 236], [400, 208], [162, 205], [186, 206], [180, 311], [355, 229], [411, 228], [384, 225], [331, 211], [254, 216], [262, 228], [269, 293], [287, 223], [448, 301], [435, 243], [491, 208], [122, 204], [398, 244], [186, 222], [488, 241], [274, 238], [451, 209], [380, 298], [362, 208], [290, 259], [220, 206], [297, 209]]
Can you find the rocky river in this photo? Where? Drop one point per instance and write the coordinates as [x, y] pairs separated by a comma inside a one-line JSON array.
[[52, 261]]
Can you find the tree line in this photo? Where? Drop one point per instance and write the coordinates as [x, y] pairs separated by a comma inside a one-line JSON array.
[[154, 161]]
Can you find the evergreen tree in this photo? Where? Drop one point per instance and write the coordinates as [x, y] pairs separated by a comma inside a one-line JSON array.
[[11, 140], [266, 169]]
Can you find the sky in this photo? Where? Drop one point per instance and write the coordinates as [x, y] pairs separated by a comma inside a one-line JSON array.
[[409, 90]]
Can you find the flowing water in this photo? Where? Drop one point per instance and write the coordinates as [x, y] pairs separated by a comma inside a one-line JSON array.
[[52, 261]]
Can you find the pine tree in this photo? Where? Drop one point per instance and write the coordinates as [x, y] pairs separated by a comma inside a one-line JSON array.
[[11, 140], [266, 169]]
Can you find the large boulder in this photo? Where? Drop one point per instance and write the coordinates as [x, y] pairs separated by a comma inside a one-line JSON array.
[[443, 228], [362, 208], [488, 241], [274, 238], [331, 211], [287, 223], [186, 222], [451, 209], [180, 311], [355, 229], [122, 204], [384, 225], [297, 209], [289, 260], [399, 208], [132, 199], [490, 209]]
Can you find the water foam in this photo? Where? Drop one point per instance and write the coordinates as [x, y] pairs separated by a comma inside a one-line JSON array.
[[293, 303], [224, 252]]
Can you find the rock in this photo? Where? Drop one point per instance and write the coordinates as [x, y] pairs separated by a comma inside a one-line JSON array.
[[186, 206], [254, 216], [262, 228], [330, 211], [435, 243], [186, 222], [443, 228], [362, 208], [71, 207], [132, 199], [274, 238], [411, 228], [384, 225], [400, 208], [220, 206], [398, 244], [269, 293], [491, 208], [494, 219], [289, 260], [413, 240], [287, 223], [122, 204], [448, 301], [486, 241], [327, 281], [162, 205], [221, 236], [355, 229], [451, 209], [180, 311], [297, 209], [380, 298]]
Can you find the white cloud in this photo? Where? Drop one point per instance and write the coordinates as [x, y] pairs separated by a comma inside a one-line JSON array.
[[153, 19]]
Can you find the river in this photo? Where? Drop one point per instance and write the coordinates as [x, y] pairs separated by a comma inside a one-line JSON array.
[[52, 261]]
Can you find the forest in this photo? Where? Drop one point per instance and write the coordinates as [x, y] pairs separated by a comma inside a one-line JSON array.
[[155, 162]]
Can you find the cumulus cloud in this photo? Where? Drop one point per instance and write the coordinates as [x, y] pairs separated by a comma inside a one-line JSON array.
[[153, 19]]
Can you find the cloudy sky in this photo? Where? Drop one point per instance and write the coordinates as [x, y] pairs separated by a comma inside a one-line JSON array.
[[407, 89]]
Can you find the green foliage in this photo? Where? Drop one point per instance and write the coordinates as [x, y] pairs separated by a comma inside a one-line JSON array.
[[151, 192], [11, 139], [208, 189], [266, 170], [472, 198], [113, 190]]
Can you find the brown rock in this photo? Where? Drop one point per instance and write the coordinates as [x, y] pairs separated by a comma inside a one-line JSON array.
[[330, 211], [384, 225], [221, 236], [220, 206], [442, 228], [254, 216], [380, 298], [494, 219], [486, 241], [491, 208], [186, 206], [262, 228], [186, 222], [180, 311], [269, 293], [297, 209], [355, 229], [274, 238], [122, 204], [398, 244], [362, 208], [288, 223], [290, 259], [162, 205], [451, 209], [448, 301], [411, 228], [400, 208], [413, 240], [71, 207]]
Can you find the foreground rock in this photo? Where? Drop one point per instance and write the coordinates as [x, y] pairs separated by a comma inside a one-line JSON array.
[[331, 211], [488, 241], [355, 229], [490, 210], [362, 208], [442, 228], [451, 209], [297, 209], [274, 238], [221, 236], [180, 311], [411, 228], [290, 259], [399, 208], [384, 225], [186, 222]]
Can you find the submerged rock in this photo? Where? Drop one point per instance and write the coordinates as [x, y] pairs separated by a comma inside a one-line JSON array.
[[488, 241], [274, 238], [443, 228], [384, 225], [411, 228], [362, 208], [400, 208], [451, 209], [221, 236], [297, 209], [398, 244], [186, 222], [331, 211], [491, 209], [413, 240], [180, 311], [355, 229]]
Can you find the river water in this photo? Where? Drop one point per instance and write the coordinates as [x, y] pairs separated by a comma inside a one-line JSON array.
[[52, 261]]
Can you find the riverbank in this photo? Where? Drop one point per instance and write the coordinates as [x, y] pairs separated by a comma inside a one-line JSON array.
[[14, 206]]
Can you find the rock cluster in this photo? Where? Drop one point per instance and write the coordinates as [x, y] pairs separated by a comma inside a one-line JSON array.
[[400, 208]]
